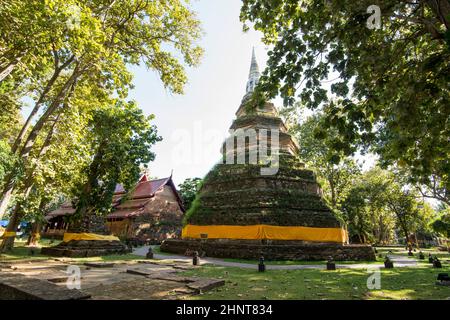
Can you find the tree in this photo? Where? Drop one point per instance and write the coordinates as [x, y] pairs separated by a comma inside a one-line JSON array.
[[442, 225], [335, 172], [403, 205], [121, 139], [188, 190], [364, 207], [379, 205], [59, 62], [390, 84], [6, 159], [62, 154]]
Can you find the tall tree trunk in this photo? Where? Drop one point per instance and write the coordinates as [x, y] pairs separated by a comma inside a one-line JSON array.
[[25, 151], [84, 211], [62, 94], [6, 71], [441, 8], [6, 196], [33, 239], [37, 106], [405, 231], [10, 61], [8, 243]]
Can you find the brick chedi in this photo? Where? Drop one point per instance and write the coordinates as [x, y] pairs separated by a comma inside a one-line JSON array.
[[261, 199]]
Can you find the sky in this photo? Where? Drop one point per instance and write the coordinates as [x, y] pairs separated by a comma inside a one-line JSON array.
[[194, 125]]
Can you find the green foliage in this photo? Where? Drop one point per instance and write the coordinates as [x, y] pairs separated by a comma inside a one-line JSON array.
[[378, 207], [194, 207], [391, 92], [188, 189], [121, 137], [335, 171], [313, 284], [442, 224], [72, 58], [6, 159]]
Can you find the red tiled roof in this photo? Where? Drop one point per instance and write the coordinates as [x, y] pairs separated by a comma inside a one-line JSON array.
[[133, 205], [125, 213], [147, 189], [143, 192], [65, 209]]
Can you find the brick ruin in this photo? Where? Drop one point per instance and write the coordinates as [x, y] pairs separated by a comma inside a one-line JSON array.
[[238, 194]]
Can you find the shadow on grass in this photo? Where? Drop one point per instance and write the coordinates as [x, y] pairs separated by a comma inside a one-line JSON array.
[[342, 284]]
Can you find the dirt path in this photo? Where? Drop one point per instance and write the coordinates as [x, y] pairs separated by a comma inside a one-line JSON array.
[[399, 261]]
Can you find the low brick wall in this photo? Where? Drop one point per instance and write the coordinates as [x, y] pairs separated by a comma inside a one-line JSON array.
[[89, 248], [20, 287], [273, 250]]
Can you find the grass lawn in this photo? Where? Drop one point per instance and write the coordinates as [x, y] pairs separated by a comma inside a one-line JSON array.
[[20, 251], [302, 262], [381, 251], [398, 283], [401, 251], [343, 284]]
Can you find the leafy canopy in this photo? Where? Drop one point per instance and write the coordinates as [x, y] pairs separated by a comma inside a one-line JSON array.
[[188, 190], [121, 140], [390, 85]]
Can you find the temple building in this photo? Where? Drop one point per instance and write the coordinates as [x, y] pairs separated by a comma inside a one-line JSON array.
[[151, 212], [260, 199]]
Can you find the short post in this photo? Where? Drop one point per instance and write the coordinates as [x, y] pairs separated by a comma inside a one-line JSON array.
[[331, 265], [437, 263], [430, 258], [443, 279], [195, 258], [261, 265], [388, 264], [149, 254], [421, 255]]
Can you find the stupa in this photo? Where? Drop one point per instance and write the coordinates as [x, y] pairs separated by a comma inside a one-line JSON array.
[[260, 199]]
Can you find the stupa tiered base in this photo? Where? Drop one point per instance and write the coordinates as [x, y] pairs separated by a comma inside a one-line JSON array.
[[86, 248], [270, 249], [247, 207]]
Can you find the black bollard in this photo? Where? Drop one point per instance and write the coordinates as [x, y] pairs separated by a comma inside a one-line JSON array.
[[443, 277], [437, 263], [430, 258], [330, 264], [388, 264], [261, 265], [149, 254], [195, 258]]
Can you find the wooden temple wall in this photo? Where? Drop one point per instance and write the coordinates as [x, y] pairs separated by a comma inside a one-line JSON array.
[[119, 228]]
